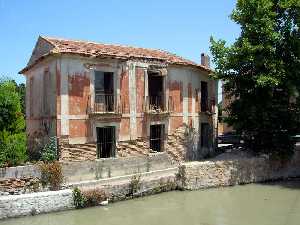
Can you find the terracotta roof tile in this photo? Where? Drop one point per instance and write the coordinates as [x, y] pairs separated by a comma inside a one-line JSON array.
[[92, 49]]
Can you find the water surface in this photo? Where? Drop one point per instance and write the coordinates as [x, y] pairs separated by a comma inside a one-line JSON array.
[[255, 204]]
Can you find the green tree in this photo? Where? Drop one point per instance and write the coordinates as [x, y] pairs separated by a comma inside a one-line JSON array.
[[261, 71], [21, 89], [12, 125]]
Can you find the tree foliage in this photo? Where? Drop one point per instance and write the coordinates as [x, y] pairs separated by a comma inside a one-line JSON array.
[[261, 72], [12, 125]]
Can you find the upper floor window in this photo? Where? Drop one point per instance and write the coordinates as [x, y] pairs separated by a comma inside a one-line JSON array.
[[104, 91]]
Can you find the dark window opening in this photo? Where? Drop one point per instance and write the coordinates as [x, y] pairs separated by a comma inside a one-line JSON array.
[[105, 142], [156, 94], [205, 135], [204, 97], [104, 91], [157, 133]]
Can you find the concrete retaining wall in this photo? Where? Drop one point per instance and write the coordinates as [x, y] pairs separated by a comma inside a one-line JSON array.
[[113, 167], [206, 174], [118, 188], [98, 169], [19, 172]]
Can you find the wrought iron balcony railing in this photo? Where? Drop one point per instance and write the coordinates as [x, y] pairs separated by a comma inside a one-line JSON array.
[[157, 104], [208, 106], [105, 103]]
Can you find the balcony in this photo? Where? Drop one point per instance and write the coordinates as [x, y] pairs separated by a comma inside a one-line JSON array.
[[157, 105], [208, 107], [104, 106]]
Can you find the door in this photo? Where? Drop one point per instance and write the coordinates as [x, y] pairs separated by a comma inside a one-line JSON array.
[[157, 137], [106, 142]]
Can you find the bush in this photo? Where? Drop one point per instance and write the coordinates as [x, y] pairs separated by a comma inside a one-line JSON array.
[[135, 184], [12, 149], [87, 198], [49, 153], [51, 174], [78, 198], [94, 197]]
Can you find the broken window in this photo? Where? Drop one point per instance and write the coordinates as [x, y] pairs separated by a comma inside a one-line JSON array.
[[105, 142], [204, 97], [104, 92], [156, 94], [157, 133], [205, 135]]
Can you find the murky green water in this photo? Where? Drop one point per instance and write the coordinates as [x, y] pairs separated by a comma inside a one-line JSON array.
[[256, 204]]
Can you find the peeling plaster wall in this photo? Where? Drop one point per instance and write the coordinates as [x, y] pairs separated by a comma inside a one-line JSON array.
[[185, 90], [41, 103], [77, 96]]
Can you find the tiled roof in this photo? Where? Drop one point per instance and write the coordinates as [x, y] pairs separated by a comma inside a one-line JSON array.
[[92, 49]]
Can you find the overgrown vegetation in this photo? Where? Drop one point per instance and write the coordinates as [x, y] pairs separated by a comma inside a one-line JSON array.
[[12, 125], [88, 198], [49, 152], [135, 184], [51, 174], [261, 73], [78, 198]]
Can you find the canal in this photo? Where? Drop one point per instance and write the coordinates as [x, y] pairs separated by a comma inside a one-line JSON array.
[[254, 204]]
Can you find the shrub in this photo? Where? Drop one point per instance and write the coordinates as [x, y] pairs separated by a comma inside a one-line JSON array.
[[135, 184], [78, 198], [51, 174], [12, 149], [49, 152], [94, 197], [87, 198]]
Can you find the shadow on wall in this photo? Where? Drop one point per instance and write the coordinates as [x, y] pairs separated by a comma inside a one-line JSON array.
[[292, 183], [195, 150]]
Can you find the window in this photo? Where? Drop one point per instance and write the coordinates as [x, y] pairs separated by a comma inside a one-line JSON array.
[[104, 91], [157, 133], [205, 135], [204, 97], [106, 142], [156, 92]]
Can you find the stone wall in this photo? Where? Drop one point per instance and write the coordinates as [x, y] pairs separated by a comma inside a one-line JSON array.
[[35, 203], [206, 174]]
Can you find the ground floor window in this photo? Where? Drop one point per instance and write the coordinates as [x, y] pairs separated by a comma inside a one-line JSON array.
[[106, 142], [205, 135], [157, 137]]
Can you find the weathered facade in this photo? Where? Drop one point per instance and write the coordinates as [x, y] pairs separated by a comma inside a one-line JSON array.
[[116, 101]]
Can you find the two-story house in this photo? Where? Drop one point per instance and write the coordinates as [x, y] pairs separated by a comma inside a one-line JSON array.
[[103, 100]]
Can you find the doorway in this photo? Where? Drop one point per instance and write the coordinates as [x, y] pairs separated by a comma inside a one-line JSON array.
[[157, 133], [105, 142]]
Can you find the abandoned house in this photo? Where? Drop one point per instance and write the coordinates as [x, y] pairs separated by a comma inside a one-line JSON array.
[[103, 100]]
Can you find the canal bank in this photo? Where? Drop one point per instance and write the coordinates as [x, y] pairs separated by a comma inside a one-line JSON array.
[[276, 203], [187, 176]]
